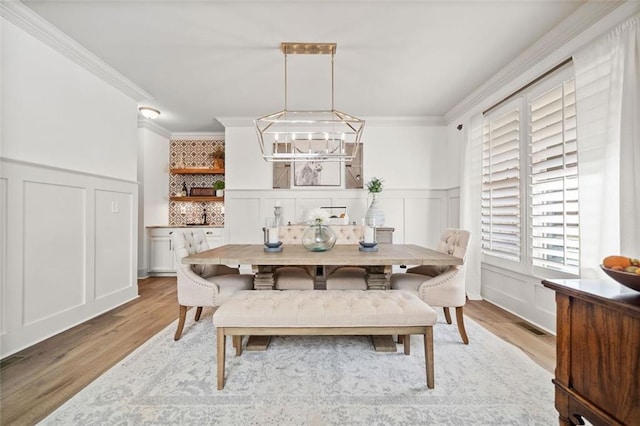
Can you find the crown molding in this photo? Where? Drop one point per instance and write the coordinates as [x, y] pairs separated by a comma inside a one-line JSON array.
[[571, 27], [197, 135], [145, 123], [32, 23], [404, 121], [236, 121]]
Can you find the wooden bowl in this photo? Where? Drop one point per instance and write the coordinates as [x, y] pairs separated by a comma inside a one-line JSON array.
[[627, 279]]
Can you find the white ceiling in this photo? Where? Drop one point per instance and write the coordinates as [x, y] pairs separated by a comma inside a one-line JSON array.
[[205, 59]]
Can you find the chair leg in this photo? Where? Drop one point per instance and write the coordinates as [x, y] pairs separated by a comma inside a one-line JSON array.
[[447, 314], [181, 317], [198, 313], [461, 329]]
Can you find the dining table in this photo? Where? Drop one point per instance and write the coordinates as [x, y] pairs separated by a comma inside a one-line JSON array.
[[378, 264]]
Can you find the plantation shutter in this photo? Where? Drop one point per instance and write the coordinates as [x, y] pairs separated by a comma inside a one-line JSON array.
[[501, 186], [554, 180]]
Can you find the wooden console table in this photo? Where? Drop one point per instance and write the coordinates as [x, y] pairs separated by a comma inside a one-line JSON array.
[[598, 352]]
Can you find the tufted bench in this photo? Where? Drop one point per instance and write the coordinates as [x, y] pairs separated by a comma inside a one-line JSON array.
[[330, 312]]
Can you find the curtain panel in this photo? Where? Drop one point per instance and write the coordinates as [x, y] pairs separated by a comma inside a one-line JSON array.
[[470, 202], [608, 110]]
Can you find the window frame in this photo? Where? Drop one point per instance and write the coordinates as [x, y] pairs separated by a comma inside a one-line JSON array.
[[522, 100]]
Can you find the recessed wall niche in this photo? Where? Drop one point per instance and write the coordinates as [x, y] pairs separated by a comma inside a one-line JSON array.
[[194, 154]]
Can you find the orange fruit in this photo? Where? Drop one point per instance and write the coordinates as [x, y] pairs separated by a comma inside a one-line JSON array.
[[610, 261]]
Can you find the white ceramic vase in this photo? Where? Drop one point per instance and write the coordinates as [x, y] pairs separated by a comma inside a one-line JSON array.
[[375, 212]]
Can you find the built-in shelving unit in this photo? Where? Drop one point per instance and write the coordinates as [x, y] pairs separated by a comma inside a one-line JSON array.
[[203, 198], [197, 171]]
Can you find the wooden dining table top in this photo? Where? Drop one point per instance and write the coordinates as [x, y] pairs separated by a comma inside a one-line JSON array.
[[343, 254]]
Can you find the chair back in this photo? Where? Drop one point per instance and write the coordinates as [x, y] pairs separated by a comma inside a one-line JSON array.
[[454, 242], [191, 241], [188, 242], [345, 234]]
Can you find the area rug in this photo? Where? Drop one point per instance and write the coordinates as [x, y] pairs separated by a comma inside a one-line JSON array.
[[317, 380]]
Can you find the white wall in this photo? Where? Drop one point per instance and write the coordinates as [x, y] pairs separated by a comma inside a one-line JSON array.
[[56, 113], [412, 157], [153, 178], [69, 193], [407, 154], [155, 149]]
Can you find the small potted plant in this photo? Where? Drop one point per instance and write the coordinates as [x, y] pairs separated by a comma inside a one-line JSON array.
[[374, 185], [375, 213], [218, 159], [219, 187]]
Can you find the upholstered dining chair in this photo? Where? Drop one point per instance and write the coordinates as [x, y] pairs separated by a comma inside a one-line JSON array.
[[346, 277], [202, 285], [442, 286], [300, 277]]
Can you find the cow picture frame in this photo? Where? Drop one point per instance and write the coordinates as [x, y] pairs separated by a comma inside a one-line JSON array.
[[288, 175], [317, 173]]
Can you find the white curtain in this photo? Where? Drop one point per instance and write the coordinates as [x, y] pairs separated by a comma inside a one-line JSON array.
[[470, 202], [608, 110]]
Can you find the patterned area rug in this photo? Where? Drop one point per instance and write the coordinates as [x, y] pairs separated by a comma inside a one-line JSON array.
[[317, 380]]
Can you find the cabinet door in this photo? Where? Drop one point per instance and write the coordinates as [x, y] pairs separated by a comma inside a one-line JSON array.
[[161, 255], [214, 238]]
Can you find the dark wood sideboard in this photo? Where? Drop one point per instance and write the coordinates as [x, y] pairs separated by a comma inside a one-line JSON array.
[[598, 352]]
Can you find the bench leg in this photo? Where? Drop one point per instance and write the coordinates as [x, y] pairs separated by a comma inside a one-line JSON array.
[[428, 356], [406, 339], [220, 359]]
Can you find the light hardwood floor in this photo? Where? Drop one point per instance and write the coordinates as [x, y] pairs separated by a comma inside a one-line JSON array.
[[37, 380]]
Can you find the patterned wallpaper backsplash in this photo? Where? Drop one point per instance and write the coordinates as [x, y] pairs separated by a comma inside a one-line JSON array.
[[194, 154]]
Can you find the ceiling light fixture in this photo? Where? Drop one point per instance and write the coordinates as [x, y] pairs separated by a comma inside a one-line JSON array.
[[324, 135], [148, 112]]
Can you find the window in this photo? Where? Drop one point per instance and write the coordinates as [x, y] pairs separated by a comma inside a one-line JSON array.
[[530, 180], [554, 180], [501, 185]]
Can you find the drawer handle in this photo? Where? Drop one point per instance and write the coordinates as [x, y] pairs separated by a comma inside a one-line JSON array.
[[170, 232], [209, 233]]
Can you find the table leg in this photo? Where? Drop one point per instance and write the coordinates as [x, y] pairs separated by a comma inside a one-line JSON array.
[[384, 344], [378, 277], [263, 277], [263, 280]]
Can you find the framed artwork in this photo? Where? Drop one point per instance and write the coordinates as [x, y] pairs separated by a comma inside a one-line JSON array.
[[322, 173], [317, 173]]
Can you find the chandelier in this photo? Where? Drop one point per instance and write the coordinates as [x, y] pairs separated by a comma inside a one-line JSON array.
[[322, 135]]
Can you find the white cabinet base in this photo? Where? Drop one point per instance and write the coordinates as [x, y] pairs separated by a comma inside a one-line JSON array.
[[162, 260]]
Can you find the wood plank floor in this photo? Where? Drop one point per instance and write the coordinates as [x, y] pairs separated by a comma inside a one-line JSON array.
[[37, 380]]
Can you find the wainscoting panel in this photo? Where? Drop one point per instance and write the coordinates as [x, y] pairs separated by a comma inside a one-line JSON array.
[[453, 208], [244, 219], [246, 210], [66, 255], [3, 252], [308, 202], [114, 251], [54, 247], [520, 294]]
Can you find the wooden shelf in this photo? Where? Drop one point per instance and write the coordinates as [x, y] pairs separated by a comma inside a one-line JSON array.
[[196, 198], [197, 171]]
